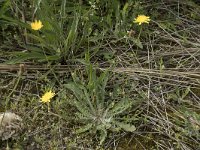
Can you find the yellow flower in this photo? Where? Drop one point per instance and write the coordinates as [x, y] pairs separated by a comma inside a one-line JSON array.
[[47, 96], [142, 19], [37, 25]]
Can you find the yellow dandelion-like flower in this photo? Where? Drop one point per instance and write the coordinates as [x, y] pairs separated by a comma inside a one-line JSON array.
[[37, 25], [47, 96], [142, 19]]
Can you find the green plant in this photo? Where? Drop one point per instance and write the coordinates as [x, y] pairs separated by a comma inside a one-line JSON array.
[[58, 39], [96, 111], [68, 27]]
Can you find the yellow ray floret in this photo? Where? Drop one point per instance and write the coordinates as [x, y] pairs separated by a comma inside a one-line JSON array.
[[37, 25], [47, 96], [142, 19]]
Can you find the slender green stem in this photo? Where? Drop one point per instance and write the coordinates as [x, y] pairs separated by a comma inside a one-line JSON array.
[[48, 107], [139, 33]]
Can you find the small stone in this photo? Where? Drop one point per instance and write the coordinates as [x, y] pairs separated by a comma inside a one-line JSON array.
[[10, 125]]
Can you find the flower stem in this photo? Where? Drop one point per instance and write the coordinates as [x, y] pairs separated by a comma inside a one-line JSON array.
[[139, 33], [48, 107]]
